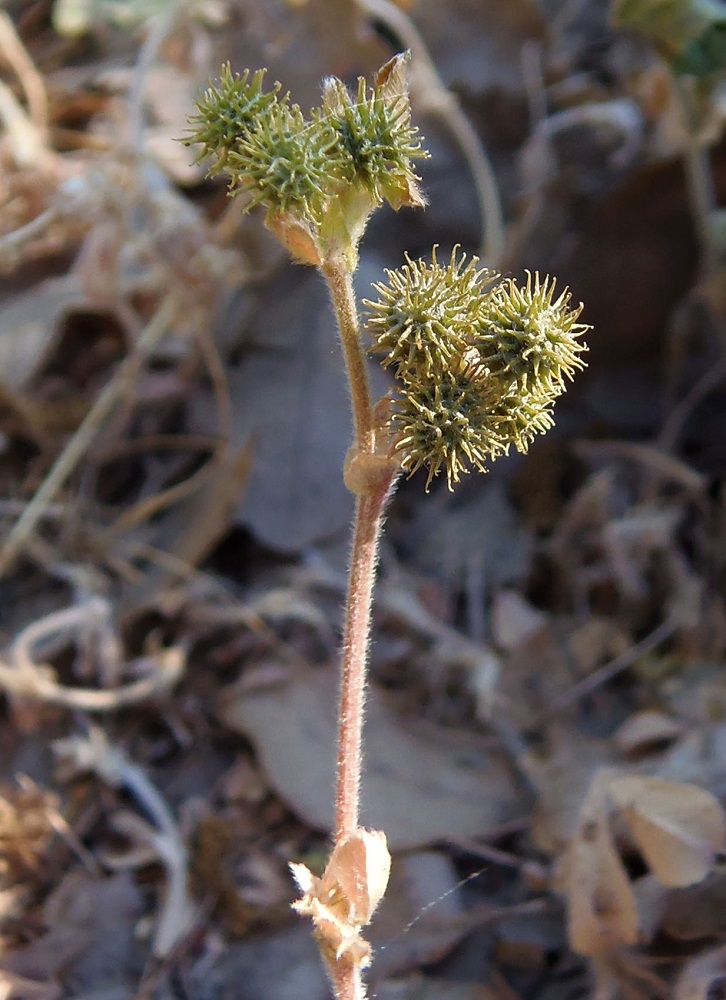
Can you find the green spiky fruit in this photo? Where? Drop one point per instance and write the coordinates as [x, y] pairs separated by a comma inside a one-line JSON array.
[[445, 424], [282, 163], [527, 337], [228, 111], [375, 141], [478, 366], [425, 315]]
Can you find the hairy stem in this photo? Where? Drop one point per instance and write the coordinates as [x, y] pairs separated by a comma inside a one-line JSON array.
[[370, 506], [366, 534], [340, 284], [349, 980]]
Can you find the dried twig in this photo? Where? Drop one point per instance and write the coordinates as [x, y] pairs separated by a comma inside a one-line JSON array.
[[163, 838], [78, 445], [616, 666], [16, 55], [24, 677], [650, 456]]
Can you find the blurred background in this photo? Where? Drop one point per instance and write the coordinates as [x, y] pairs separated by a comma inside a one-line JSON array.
[[546, 738]]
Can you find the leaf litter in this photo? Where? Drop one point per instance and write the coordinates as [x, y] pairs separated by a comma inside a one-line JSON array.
[[545, 729]]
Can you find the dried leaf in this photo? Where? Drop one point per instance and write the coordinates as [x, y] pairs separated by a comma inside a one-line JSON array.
[[391, 79], [17, 987], [419, 789], [514, 620], [678, 828], [425, 899], [646, 731], [342, 902], [601, 909], [563, 778], [290, 399], [361, 865], [697, 911], [29, 324]]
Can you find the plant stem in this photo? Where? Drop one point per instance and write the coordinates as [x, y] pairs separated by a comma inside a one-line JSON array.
[[356, 642], [368, 523], [349, 980], [340, 283]]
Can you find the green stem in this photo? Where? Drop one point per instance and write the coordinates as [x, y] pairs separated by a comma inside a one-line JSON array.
[[340, 283]]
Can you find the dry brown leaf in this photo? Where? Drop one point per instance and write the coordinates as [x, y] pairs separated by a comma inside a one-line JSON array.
[[697, 911], [29, 328], [342, 902], [419, 789], [514, 620], [601, 909], [646, 731], [677, 827], [424, 987], [563, 778], [289, 399], [90, 930], [17, 987], [26, 827], [477, 46], [361, 865]]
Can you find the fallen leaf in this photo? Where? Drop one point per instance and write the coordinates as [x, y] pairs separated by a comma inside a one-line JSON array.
[[677, 827], [476, 45], [697, 911], [15, 987], [290, 399], [423, 987], [514, 620], [419, 920], [645, 732], [29, 328], [90, 938], [284, 965], [479, 529], [563, 778], [417, 789], [601, 909]]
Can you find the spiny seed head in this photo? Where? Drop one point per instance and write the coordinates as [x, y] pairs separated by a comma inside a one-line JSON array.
[[528, 337], [376, 141], [228, 111], [518, 421], [282, 164], [425, 314], [477, 366], [321, 178], [445, 424]]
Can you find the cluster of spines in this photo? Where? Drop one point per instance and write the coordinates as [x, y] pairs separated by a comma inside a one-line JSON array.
[[229, 111], [478, 363], [303, 167], [375, 141]]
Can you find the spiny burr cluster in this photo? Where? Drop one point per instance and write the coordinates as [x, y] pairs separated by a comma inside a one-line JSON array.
[[478, 361], [318, 177]]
